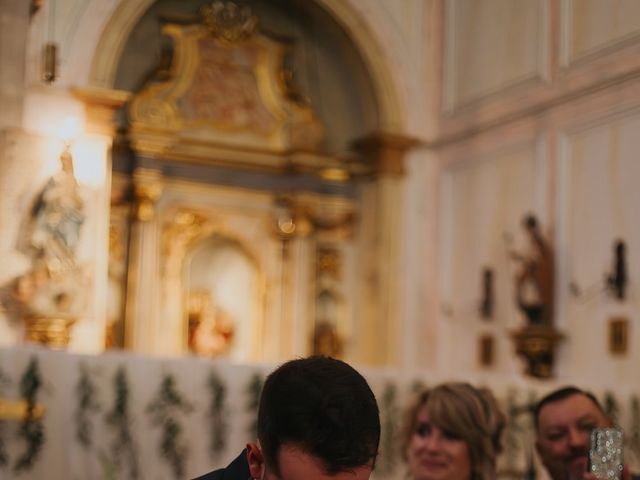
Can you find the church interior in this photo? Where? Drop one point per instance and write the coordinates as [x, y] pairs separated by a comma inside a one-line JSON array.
[[194, 191]]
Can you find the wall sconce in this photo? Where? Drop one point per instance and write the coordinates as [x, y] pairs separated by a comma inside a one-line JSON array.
[[487, 301], [50, 49], [616, 281], [49, 62]]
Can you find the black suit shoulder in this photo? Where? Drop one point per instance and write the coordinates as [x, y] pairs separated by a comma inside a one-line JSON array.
[[236, 470]]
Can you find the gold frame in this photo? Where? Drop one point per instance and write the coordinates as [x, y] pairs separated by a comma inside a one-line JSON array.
[[486, 350], [618, 335], [158, 126], [185, 227]]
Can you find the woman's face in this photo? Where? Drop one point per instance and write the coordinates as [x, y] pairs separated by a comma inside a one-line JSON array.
[[435, 454]]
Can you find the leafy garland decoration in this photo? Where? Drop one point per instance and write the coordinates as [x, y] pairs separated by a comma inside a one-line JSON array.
[[532, 401], [611, 407], [4, 455], [165, 410], [634, 426], [389, 414], [31, 428], [123, 447], [417, 387], [217, 414], [516, 436], [254, 389], [87, 403], [512, 431]]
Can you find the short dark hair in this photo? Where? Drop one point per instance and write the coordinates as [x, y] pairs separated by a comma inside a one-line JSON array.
[[322, 406], [561, 394]]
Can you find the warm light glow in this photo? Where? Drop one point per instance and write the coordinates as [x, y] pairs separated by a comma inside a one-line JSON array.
[[53, 115], [90, 161], [70, 128]]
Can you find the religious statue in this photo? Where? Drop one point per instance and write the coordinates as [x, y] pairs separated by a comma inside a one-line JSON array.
[[326, 340], [537, 340], [57, 217], [534, 280], [49, 296], [210, 330]]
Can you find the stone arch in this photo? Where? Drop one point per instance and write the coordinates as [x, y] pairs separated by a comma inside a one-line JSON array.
[[111, 44]]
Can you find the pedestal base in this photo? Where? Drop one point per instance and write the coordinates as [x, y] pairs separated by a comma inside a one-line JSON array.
[[52, 332], [537, 345]]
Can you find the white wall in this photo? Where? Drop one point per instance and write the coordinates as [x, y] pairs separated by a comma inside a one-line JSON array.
[[539, 118]]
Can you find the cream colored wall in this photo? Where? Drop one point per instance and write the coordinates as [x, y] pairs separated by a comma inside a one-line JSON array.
[[554, 133], [502, 94]]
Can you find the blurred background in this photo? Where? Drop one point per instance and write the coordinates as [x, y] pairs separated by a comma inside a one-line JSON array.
[[192, 192]]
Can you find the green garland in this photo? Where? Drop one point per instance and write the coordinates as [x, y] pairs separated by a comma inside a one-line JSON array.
[[217, 414], [87, 403], [31, 428], [119, 419], [634, 425], [417, 387], [388, 446], [254, 389], [611, 407], [519, 425], [4, 455], [165, 410]]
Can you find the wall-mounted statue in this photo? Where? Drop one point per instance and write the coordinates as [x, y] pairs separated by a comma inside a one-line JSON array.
[[50, 297], [56, 219], [534, 289], [535, 277]]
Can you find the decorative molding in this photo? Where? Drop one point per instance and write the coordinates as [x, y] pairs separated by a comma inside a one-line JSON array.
[[229, 21], [569, 59], [128, 12], [147, 190], [100, 106], [606, 71], [183, 228], [384, 153], [453, 105]]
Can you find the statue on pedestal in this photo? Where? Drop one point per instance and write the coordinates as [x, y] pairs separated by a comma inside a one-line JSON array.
[[57, 217], [49, 296], [534, 280], [210, 329], [534, 287]]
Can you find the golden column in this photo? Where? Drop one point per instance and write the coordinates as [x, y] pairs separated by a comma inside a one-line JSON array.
[[381, 231]]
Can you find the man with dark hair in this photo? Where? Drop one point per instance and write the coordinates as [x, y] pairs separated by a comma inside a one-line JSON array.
[[563, 421], [318, 420]]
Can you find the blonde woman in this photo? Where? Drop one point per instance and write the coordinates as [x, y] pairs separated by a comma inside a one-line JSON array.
[[452, 432]]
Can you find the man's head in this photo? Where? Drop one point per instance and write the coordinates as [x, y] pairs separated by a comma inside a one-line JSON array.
[[318, 420], [564, 420]]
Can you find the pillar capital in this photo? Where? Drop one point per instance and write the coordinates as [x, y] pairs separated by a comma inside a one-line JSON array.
[[384, 152]]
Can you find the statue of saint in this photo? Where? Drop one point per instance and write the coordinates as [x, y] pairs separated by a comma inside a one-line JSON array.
[[326, 340], [54, 284], [535, 277], [211, 329], [57, 217]]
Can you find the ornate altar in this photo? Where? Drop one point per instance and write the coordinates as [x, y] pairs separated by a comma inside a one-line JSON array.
[[234, 206]]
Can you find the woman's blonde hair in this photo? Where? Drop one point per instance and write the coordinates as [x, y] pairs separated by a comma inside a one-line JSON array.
[[469, 413]]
